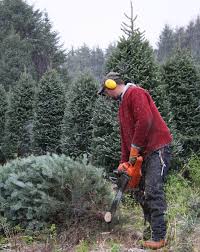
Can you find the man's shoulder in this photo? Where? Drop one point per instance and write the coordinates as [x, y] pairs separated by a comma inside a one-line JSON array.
[[136, 89]]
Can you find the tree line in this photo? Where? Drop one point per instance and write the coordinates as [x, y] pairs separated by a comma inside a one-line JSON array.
[[181, 37], [48, 101]]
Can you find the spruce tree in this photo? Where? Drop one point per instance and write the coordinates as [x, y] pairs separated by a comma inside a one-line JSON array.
[[183, 37], [77, 128], [19, 113], [85, 59], [14, 56], [183, 88], [133, 57], [3, 108], [166, 44], [36, 44], [105, 144], [49, 110]]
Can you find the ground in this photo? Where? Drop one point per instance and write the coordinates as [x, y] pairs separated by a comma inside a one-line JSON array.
[[94, 235]]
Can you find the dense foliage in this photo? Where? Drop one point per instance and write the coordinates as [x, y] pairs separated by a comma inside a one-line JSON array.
[[85, 59], [49, 111], [3, 107], [50, 189], [26, 39], [133, 57], [182, 83], [18, 116], [105, 144], [77, 128], [183, 37]]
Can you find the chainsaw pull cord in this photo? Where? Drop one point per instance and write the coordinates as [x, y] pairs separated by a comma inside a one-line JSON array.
[[162, 162]]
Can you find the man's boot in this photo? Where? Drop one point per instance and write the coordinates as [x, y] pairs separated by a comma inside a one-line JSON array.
[[154, 244]]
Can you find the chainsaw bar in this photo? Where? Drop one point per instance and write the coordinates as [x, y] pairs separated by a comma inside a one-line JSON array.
[[122, 183]]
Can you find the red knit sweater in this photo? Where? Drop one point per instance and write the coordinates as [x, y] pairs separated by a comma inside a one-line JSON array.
[[141, 123]]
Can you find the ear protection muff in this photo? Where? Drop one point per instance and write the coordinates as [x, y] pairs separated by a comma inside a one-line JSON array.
[[110, 84]]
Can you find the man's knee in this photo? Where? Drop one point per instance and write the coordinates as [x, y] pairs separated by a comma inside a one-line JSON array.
[[155, 198]]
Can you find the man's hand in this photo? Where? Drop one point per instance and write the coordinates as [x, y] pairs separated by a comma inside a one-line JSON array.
[[121, 168], [134, 153]]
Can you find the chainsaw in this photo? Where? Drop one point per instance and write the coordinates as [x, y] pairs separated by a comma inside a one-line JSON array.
[[128, 177]]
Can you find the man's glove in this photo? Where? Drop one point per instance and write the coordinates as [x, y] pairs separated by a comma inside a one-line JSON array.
[[134, 153], [121, 168]]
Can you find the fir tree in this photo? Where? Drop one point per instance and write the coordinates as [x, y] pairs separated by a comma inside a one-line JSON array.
[[37, 191], [183, 88], [49, 110], [77, 129], [36, 43], [19, 113], [3, 108], [14, 56], [133, 57], [85, 59], [165, 44], [183, 37], [105, 144]]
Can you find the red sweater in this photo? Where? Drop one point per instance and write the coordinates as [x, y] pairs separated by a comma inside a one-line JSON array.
[[141, 123]]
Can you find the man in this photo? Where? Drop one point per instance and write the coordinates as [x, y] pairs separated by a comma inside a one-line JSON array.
[[143, 132]]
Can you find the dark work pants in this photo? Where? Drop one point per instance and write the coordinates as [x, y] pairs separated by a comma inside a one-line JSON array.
[[151, 194]]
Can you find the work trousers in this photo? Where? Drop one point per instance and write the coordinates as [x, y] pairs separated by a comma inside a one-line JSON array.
[[151, 194]]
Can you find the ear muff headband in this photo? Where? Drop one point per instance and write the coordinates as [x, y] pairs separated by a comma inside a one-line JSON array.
[[110, 84]]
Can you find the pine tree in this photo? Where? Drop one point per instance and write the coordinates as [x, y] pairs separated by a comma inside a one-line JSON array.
[[164, 106], [85, 59], [14, 56], [183, 88], [133, 57], [77, 128], [19, 113], [79, 61], [49, 110], [166, 44], [97, 63], [196, 40], [36, 43], [3, 108], [105, 144], [183, 37]]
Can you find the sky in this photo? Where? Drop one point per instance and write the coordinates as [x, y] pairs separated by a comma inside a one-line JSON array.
[[98, 22]]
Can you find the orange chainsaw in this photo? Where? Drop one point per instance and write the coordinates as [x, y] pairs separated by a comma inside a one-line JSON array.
[[128, 177]]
